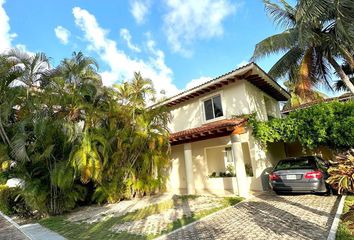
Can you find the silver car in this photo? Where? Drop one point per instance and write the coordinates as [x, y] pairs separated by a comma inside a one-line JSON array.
[[300, 174]]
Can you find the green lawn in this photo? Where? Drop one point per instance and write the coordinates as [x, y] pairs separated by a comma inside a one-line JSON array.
[[100, 230], [343, 232]]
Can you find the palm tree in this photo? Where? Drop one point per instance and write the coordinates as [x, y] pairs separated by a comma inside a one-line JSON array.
[[339, 84], [313, 42], [79, 69], [69, 134], [35, 67], [297, 98], [9, 74], [139, 144]]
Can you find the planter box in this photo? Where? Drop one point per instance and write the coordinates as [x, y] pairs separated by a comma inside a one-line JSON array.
[[221, 185]]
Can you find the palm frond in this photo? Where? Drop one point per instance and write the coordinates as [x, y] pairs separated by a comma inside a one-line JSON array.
[[284, 64], [284, 17], [281, 42]]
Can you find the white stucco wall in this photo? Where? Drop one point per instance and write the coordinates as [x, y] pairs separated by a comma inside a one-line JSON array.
[[177, 175], [190, 114], [256, 101], [237, 98]]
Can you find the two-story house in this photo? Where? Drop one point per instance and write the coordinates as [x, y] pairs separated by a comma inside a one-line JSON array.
[[210, 139]]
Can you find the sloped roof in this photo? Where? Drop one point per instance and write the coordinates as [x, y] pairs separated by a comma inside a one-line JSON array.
[[250, 72]]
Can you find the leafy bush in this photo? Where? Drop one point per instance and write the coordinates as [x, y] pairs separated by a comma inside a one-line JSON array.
[[11, 202], [342, 172], [222, 174], [326, 124], [342, 178], [73, 140], [7, 199]]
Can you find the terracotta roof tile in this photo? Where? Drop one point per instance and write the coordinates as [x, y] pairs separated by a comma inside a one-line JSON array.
[[209, 127]]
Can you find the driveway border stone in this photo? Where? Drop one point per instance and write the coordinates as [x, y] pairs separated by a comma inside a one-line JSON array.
[[335, 224]]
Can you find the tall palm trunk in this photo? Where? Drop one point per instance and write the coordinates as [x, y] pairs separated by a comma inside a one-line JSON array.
[[341, 74], [3, 134]]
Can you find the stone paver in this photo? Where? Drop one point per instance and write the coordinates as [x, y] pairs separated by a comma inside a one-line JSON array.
[[8, 231], [267, 216], [156, 223], [100, 213]]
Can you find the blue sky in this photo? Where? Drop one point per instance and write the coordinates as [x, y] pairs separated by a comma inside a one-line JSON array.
[[176, 43]]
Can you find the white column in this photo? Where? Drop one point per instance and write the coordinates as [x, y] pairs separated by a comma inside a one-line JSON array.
[[240, 170], [189, 168]]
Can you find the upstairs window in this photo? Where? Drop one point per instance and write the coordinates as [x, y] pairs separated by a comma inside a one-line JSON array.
[[213, 108]]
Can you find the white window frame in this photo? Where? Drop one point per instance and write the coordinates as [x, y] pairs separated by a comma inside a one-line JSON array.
[[223, 106]]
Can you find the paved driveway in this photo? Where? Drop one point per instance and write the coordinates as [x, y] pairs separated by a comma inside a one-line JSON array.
[[267, 216], [9, 232]]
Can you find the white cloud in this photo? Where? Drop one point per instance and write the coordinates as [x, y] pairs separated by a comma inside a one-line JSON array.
[[139, 10], [187, 21], [23, 48], [125, 34], [241, 64], [197, 81], [6, 36], [122, 67], [62, 34]]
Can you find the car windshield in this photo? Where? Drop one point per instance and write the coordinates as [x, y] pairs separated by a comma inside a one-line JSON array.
[[296, 164]]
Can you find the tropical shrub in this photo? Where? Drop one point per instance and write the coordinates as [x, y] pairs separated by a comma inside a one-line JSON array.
[[326, 124], [7, 199], [342, 179], [73, 140], [342, 172]]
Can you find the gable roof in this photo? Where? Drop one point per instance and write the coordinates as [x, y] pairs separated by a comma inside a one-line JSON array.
[[250, 72]]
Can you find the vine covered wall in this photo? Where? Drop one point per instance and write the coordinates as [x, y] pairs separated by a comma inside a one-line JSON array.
[[326, 124]]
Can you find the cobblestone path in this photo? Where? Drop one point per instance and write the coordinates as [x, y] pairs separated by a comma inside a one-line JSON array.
[[266, 217]]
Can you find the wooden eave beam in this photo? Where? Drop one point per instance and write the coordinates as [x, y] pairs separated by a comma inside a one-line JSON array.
[[247, 74], [225, 82]]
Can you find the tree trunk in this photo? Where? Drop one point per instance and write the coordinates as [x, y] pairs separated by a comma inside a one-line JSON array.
[[3, 134], [342, 74]]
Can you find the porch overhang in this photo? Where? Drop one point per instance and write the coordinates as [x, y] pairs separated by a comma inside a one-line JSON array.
[[207, 131]]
